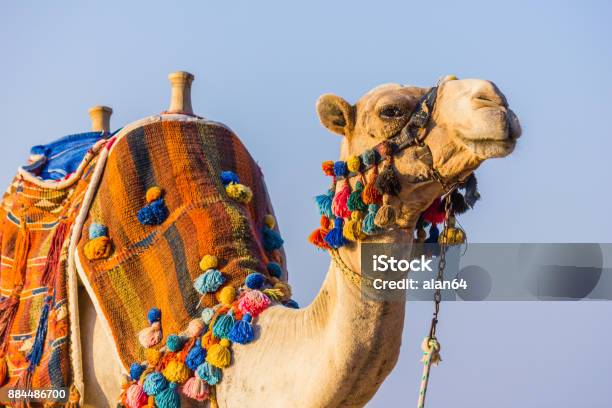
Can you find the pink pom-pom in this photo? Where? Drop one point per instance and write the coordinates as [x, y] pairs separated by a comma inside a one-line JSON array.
[[135, 397], [151, 335], [253, 302], [195, 328], [435, 213], [195, 388], [339, 207]]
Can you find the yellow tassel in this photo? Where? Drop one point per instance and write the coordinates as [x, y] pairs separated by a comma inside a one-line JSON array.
[[219, 355], [284, 288], [353, 164], [98, 248], [274, 294], [269, 221], [176, 372], [152, 356], [226, 295], [239, 192], [451, 235], [431, 345], [352, 228], [208, 262], [153, 194]]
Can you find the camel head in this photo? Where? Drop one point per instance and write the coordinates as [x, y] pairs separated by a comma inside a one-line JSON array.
[[470, 122]]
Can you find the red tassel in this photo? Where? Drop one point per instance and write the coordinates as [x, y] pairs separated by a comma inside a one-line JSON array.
[[317, 237], [435, 213], [53, 256], [339, 207]]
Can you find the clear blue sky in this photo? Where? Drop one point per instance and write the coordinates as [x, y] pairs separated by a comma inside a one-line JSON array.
[[260, 67]]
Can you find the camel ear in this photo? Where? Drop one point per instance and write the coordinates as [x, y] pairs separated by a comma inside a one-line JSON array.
[[336, 114]]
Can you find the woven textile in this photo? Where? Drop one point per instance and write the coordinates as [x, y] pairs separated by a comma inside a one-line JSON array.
[[155, 265], [35, 225]]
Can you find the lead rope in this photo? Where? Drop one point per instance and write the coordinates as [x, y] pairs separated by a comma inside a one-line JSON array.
[[430, 345]]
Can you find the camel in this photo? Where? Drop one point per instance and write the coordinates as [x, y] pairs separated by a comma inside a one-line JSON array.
[[337, 351]]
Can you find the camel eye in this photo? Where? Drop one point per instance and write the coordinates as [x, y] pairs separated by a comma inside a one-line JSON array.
[[391, 112]]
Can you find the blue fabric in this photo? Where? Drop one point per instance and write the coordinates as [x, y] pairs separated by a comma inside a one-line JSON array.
[[62, 156]]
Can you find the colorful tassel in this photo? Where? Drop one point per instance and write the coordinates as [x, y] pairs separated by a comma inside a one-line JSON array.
[[97, 230], [334, 237], [35, 353], [98, 248], [174, 343], [368, 226], [271, 239], [339, 208], [209, 373], [352, 228], [207, 315], [208, 262], [196, 355], [229, 177], [435, 213], [154, 383], [324, 203], [195, 328], [153, 213], [208, 340], [340, 169], [176, 371], [354, 164], [152, 356], [328, 167], [385, 216], [239, 192], [317, 237], [153, 193], [223, 325], [269, 221], [152, 335], [291, 304], [274, 269], [255, 280], [136, 371], [387, 181], [226, 295], [370, 194], [253, 302], [219, 355], [195, 389], [355, 202], [242, 332], [209, 281], [168, 398], [135, 397], [370, 157]]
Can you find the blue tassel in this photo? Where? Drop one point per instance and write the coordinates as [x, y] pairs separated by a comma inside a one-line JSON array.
[[207, 314], [340, 169], [242, 332], [168, 398], [209, 281], [209, 373], [136, 371], [275, 269], [369, 157], [271, 239], [97, 230], [196, 355], [368, 226], [334, 237], [153, 315], [223, 325], [153, 213], [229, 177], [174, 343], [292, 304], [35, 352], [154, 383], [324, 203], [254, 280]]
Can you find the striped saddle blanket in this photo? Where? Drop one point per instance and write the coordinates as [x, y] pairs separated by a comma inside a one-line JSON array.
[[169, 227]]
